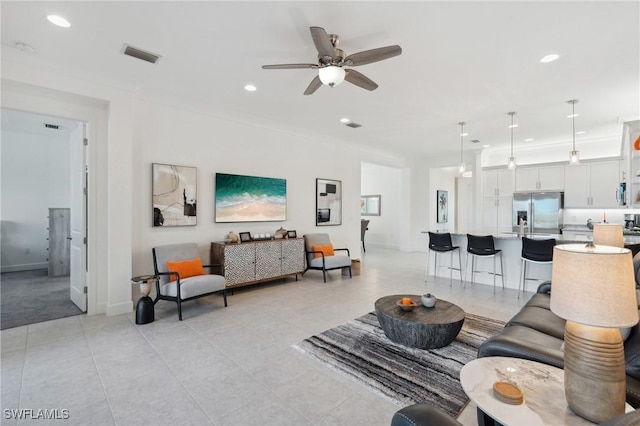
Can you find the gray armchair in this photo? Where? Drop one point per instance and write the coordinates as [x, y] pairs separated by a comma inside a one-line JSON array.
[[170, 286], [322, 262]]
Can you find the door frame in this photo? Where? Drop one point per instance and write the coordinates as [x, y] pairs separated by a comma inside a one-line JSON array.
[[94, 113]]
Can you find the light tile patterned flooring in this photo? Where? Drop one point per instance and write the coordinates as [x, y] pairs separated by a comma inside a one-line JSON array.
[[232, 366]]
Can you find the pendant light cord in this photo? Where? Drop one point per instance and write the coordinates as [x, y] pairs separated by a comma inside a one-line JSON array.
[[461, 137], [512, 114], [573, 120]]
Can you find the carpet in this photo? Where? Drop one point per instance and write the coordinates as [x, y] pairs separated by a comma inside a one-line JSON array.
[[29, 297], [360, 350]]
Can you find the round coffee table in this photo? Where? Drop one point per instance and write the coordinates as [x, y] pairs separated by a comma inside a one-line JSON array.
[[423, 328]]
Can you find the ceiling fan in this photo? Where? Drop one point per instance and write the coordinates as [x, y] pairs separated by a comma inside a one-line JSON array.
[[331, 62]]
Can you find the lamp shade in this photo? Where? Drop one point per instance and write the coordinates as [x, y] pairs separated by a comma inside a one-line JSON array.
[[608, 234], [331, 75], [594, 286]]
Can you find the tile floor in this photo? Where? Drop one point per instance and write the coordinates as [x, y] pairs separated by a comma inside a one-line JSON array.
[[232, 366]]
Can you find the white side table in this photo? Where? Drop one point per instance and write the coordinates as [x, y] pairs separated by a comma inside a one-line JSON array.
[[541, 384]]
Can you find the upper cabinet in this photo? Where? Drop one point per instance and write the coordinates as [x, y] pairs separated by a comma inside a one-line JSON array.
[[540, 178], [592, 185], [497, 183]]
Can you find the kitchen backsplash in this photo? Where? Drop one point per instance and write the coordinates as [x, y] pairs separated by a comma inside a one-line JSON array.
[[580, 216]]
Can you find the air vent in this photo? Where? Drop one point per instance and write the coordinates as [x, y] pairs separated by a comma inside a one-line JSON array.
[[51, 126], [475, 141], [353, 125], [140, 54]]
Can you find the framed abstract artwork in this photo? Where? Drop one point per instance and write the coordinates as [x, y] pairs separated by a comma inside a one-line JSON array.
[[242, 198], [175, 195], [443, 206], [328, 202]]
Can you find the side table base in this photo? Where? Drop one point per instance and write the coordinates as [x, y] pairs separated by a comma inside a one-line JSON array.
[[144, 310]]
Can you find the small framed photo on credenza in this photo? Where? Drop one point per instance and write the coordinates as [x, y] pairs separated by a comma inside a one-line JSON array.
[[292, 234], [245, 236]]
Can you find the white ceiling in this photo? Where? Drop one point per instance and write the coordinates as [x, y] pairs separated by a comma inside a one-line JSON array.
[[461, 61]]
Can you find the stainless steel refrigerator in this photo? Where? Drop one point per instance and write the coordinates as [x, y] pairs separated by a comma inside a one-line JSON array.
[[541, 210]]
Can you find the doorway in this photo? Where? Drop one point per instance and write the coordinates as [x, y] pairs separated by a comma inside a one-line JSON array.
[[43, 253]]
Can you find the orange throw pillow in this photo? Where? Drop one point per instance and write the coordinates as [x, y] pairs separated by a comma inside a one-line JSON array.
[[186, 268], [326, 249]]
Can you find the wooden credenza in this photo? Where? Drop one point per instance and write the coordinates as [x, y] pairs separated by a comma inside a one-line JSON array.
[[259, 261]]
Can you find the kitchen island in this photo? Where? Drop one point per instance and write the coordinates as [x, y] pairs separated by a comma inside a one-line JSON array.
[[511, 245]]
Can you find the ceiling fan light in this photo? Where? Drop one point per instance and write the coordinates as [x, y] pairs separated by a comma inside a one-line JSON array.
[[331, 75]]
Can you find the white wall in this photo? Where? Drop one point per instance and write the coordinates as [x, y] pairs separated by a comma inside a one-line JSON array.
[[384, 230], [442, 179], [171, 135], [35, 177]]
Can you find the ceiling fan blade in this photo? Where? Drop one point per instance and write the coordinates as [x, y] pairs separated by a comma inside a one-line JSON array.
[[322, 41], [288, 66], [360, 80], [313, 86], [373, 55]]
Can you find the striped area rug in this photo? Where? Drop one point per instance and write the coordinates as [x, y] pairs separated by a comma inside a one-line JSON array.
[[360, 350]]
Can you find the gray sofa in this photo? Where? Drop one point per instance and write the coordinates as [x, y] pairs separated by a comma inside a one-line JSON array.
[[537, 334]]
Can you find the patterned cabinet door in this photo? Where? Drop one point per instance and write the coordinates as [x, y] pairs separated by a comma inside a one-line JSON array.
[[268, 263], [239, 263], [292, 256]]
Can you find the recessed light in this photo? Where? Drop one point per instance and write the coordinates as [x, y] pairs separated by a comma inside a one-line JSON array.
[[582, 132], [486, 146], [549, 58], [529, 140], [345, 120], [250, 88], [573, 115], [512, 126], [59, 21], [464, 134]]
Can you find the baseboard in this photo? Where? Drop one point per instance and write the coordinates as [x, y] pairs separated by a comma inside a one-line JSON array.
[[24, 267], [120, 308]]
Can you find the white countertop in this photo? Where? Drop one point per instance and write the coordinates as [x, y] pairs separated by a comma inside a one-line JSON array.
[[560, 238]]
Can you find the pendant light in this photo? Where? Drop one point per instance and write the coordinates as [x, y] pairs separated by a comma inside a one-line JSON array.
[[511, 164], [574, 158], [462, 167]]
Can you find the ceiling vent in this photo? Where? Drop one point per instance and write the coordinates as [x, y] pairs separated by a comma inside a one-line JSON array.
[[475, 141], [353, 125], [51, 126], [143, 55]]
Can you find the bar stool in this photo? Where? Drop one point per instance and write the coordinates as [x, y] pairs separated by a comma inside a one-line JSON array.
[[484, 246], [441, 243], [534, 251]]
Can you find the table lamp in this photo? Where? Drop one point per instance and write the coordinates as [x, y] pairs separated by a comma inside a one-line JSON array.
[[594, 290], [608, 234]]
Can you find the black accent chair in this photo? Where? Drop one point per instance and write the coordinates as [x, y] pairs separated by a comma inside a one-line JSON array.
[[170, 286], [441, 243], [534, 251], [364, 227], [483, 246]]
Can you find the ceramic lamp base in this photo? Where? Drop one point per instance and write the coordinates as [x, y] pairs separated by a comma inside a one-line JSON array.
[[594, 375]]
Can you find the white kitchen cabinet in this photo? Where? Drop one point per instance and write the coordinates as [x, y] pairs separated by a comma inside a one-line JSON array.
[[540, 178], [592, 185], [498, 182], [497, 213]]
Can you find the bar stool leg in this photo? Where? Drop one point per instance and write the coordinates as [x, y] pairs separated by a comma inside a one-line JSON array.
[[426, 275], [494, 273], [451, 269], [502, 270], [460, 264], [473, 268], [521, 281]]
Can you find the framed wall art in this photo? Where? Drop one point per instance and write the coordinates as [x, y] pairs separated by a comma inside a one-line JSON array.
[[443, 206], [370, 205], [328, 202], [242, 198], [245, 236], [175, 195]]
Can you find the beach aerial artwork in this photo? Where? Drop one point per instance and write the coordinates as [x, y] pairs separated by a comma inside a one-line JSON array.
[[250, 199]]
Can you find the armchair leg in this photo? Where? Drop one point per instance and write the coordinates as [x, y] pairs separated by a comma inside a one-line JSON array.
[[350, 276], [324, 275], [224, 295], [179, 310]]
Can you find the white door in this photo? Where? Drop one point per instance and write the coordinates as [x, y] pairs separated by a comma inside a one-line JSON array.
[[78, 218]]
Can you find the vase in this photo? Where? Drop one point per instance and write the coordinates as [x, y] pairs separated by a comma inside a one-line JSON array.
[[428, 300], [231, 238], [280, 233]]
